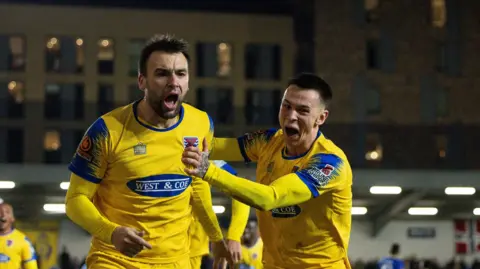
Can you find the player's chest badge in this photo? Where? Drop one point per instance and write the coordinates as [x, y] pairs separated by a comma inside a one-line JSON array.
[[190, 141], [270, 167], [140, 149], [9, 243]]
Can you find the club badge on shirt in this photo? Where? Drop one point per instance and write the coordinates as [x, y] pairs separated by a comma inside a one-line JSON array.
[[190, 141]]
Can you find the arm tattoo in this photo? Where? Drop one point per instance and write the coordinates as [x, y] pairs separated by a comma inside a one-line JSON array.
[[204, 165]]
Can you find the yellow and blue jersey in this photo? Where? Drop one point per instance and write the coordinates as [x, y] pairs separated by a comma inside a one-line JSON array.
[[16, 251], [142, 183], [252, 256], [199, 241], [315, 232]]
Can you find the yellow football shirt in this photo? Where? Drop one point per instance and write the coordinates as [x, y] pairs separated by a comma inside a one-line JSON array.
[[313, 233], [252, 256], [16, 251], [142, 183]]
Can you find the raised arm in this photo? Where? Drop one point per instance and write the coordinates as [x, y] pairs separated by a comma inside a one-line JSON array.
[[88, 168]]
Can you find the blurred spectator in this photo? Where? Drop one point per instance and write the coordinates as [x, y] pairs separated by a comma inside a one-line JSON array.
[[64, 260]]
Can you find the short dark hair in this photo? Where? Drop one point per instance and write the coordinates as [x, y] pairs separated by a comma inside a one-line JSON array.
[[395, 249], [167, 43], [313, 82]]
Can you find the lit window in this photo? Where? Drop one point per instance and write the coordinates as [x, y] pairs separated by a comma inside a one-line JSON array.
[[439, 13], [80, 54], [105, 56], [17, 53], [51, 141], [374, 148], [224, 57], [64, 55], [16, 90], [214, 59]]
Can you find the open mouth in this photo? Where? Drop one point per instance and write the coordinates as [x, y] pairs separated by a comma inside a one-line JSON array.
[[291, 132], [170, 101], [3, 220]]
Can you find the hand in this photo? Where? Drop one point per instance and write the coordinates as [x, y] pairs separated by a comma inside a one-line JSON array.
[[196, 161], [129, 241], [221, 255], [235, 249]]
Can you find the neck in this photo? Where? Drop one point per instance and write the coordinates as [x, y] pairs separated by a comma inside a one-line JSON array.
[[146, 113], [303, 146], [6, 231]]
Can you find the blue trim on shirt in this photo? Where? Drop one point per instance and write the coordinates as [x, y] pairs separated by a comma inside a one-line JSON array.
[[315, 176], [241, 145], [84, 175], [227, 167], [307, 182], [85, 164]]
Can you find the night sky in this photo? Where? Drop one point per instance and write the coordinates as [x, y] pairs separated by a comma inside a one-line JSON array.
[[236, 6]]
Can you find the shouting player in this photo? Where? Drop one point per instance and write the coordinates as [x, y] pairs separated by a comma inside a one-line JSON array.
[[16, 250], [303, 194], [127, 186], [199, 243]]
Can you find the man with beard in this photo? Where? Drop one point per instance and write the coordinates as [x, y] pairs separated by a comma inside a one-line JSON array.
[[303, 193], [16, 251], [127, 186]]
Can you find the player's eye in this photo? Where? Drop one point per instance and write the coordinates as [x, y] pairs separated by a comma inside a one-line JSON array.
[[286, 106], [181, 74]]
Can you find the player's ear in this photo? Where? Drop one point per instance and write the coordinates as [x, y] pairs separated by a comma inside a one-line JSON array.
[[322, 117], [142, 83]]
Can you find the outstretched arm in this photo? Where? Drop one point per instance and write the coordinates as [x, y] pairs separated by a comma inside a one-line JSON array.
[[323, 173], [285, 191]]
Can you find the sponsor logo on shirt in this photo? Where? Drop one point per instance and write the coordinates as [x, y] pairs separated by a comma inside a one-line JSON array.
[[4, 258], [166, 185], [286, 212], [322, 175]]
